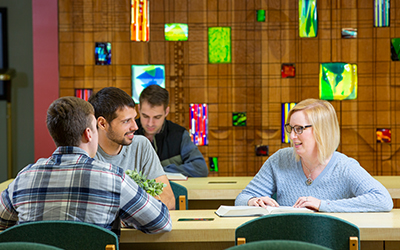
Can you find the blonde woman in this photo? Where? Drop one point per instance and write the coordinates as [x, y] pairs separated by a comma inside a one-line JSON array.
[[312, 173]]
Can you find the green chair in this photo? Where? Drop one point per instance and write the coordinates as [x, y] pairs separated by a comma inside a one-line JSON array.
[[68, 235], [314, 228], [279, 245], [26, 246], [180, 193]]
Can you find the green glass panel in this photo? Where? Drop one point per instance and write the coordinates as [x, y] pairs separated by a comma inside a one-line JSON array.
[[395, 49], [260, 15], [338, 81], [239, 119], [219, 44], [308, 22], [176, 32], [213, 164]]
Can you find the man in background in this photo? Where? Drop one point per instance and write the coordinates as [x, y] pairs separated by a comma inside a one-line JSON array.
[[115, 114], [71, 185], [177, 152]]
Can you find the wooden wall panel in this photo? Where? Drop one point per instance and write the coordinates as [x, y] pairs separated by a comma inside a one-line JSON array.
[[252, 83]]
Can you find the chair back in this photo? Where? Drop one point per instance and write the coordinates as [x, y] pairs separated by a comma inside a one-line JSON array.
[[279, 245], [314, 228], [26, 246], [181, 194], [69, 235]]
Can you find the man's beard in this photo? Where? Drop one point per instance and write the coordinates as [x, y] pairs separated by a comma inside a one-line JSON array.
[[112, 136]]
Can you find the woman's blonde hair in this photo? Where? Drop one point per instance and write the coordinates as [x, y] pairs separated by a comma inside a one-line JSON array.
[[322, 116]]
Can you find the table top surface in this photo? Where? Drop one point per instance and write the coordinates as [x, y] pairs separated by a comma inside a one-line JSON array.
[[373, 227], [227, 188], [215, 188], [4, 184]]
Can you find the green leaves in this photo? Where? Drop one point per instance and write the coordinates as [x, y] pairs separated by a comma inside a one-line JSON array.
[[150, 186]]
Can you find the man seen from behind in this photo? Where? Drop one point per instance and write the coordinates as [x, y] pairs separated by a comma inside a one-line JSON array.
[[71, 185]]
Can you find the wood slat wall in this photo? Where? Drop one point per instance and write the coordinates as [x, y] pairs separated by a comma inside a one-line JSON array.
[[252, 82]]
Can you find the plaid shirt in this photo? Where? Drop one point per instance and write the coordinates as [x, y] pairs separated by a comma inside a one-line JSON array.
[[72, 186]]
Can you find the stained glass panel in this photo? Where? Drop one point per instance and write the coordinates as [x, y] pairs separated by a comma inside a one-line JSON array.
[[146, 75], [140, 31], [286, 107], [381, 13], [199, 124], [176, 32], [308, 21], [219, 44], [338, 81]]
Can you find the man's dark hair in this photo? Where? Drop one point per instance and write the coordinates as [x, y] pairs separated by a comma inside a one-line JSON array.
[[108, 100], [67, 119], [155, 96]]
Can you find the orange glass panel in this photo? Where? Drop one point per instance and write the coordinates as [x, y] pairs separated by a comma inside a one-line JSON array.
[[140, 20]]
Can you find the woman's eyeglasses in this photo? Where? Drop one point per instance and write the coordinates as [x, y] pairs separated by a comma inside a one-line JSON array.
[[297, 129]]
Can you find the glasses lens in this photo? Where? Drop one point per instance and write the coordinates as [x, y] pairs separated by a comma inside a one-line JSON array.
[[288, 128], [298, 130]]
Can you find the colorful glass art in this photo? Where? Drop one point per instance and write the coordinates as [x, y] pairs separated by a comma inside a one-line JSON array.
[[383, 135], [219, 44], [262, 150], [381, 13], [308, 21], [140, 20], [176, 32], [199, 124], [349, 33], [286, 107], [260, 15], [395, 49], [239, 119], [288, 70], [338, 81], [102, 54], [213, 164], [144, 76], [83, 93]]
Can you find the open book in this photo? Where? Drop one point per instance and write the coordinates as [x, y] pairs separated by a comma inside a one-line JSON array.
[[176, 176], [238, 211]]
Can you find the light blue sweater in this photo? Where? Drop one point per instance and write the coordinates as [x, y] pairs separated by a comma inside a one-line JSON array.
[[343, 186]]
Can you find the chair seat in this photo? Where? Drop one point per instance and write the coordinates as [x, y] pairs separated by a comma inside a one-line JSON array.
[[26, 246], [279, 245], [314, 228], [63, 234]]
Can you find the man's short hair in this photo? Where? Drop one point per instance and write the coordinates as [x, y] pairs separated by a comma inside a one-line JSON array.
[[67, 119], [108, 100], [155, 96]]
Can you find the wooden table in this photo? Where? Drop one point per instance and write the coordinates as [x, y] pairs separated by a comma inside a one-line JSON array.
[[215, 188], [375, 228], [392, 184], [227, 188], [211, 192], [4, 184]]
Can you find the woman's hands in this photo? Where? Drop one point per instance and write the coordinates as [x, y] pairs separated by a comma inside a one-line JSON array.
[[308, 202], [262, 202]]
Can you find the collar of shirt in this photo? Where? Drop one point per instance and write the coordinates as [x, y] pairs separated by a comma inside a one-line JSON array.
[[70, 150]]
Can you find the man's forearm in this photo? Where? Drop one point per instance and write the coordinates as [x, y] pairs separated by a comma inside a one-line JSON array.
[[167, 196]]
